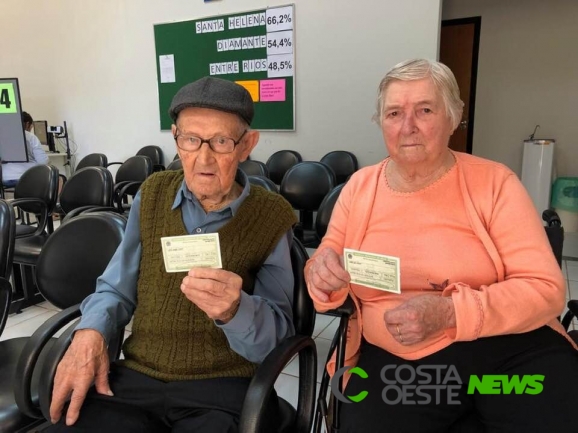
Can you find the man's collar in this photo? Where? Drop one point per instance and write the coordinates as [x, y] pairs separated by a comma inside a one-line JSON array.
[[241, 178]]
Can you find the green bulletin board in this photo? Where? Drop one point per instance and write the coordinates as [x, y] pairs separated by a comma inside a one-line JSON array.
[[255, 49]]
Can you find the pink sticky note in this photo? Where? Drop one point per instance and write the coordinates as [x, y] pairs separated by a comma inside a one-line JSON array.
[[272, 90]]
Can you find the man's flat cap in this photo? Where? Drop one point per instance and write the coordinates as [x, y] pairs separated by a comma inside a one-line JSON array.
[[215, 93]]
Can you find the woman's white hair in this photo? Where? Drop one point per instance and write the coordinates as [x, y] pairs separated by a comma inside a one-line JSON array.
[[418, 69]]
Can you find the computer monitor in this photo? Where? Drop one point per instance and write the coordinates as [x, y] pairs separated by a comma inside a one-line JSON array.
[[41, 131]]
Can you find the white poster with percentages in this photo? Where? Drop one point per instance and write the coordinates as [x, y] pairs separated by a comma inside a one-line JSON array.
[[278, 19], [280, 55], [280, 42], [280, 66]]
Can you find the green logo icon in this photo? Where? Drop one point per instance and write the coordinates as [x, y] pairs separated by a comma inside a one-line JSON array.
[[335, 385]]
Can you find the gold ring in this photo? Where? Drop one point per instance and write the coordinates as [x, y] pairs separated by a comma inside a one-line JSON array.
[[399, 333]]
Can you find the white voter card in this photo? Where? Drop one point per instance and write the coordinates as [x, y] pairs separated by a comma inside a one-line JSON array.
[[375, 271], [181, 253]]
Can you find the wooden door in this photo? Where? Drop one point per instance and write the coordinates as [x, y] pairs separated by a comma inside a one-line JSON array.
[[459, 44]]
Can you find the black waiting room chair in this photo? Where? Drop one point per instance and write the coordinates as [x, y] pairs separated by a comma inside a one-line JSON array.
[[129, 177], [304, 186], [325, 210], [175, 164], [66, 273], [343, 164], [280, 162], [35, 194], [11, 419], [7, 235], [88, 187], [254, 168], [155, 153], [263, 182], [92, 160]]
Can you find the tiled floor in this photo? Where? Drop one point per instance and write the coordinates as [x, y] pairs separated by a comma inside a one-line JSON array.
[[25, 323]]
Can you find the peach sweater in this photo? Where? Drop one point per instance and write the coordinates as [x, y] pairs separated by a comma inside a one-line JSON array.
[[505, 281]]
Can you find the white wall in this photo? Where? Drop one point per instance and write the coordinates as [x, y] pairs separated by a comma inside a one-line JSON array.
[[527, 75], [92, 63]]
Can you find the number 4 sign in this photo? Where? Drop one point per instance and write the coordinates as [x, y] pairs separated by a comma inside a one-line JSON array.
[[7, 99]]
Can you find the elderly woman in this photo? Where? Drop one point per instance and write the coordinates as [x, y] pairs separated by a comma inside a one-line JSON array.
[[480, 287]]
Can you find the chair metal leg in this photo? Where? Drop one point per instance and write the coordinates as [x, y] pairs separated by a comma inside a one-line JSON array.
[[340, 363], [321, 414], [18, 292], [26, 292], [329, 414]]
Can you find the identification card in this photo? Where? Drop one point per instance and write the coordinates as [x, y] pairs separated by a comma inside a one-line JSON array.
[[181, 253], [375, 271]]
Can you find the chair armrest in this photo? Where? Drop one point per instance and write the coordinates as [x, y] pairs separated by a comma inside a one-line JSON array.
[[551, 218], [29, 357], [264, 379], [570, 314], [83, 209], [345, 309], [114, 163], [5, 300], [158, 167], [298, 231], [43, 215], [48, 371], [121, 190]]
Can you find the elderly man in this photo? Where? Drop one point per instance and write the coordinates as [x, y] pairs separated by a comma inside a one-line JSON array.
[[197, 336]]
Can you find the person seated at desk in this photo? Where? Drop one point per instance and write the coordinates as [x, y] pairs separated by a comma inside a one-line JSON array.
[[11, 171], [197, 336], [480, 289]]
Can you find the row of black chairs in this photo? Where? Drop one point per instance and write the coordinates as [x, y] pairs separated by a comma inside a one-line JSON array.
[[305, 186], [155, 153], [37, 193], [341, 162]]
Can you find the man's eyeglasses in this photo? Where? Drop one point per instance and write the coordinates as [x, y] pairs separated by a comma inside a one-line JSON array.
[[192, 143]]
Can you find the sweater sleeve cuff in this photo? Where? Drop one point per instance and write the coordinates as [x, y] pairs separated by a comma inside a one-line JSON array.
[[469, 313]]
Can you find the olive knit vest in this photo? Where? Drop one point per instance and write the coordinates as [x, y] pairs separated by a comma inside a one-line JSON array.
[[172, 339]]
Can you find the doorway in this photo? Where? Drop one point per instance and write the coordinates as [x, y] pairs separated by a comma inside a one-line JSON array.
[[459, 46]]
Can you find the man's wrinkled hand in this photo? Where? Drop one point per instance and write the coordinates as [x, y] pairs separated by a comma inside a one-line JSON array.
[[215, 291], [86, 361]]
